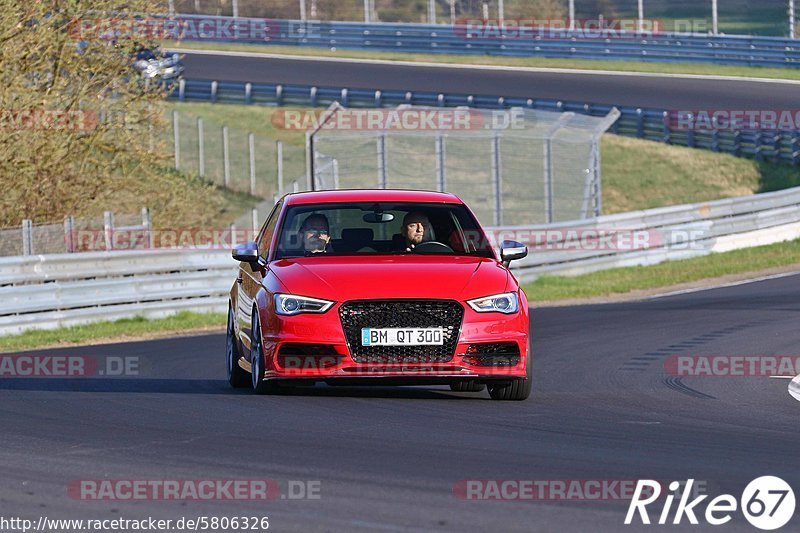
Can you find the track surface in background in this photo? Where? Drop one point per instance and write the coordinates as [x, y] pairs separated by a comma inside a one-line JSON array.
[[603, 407], [634, 90]]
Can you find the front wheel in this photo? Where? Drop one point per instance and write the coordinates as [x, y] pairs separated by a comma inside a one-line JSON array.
[[237, 376], [517, 389], [259, 385]]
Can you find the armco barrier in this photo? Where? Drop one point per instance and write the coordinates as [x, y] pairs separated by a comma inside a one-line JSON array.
[[66, 289], [485, 40], [643, 123]]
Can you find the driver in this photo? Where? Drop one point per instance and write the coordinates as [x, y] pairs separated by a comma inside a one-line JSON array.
[[415, 224], [315, 234]]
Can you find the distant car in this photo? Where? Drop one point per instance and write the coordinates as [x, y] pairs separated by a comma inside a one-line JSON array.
[[152, 65], [334, 291]]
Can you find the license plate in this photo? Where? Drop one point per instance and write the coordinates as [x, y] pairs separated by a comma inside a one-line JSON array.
[[402, 337]]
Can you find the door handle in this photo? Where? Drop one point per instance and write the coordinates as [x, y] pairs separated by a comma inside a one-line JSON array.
[[238, 280]]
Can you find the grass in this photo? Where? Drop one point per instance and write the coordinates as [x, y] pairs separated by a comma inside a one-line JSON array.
[[625, 280], [118, 331], [640, 174], [535, 62]]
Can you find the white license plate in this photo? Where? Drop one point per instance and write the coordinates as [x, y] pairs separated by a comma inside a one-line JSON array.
[[402, 337]]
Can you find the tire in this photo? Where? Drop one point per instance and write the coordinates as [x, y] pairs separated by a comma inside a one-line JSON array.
[[237, 376], [467, 386], [257, 382], [517, 390]]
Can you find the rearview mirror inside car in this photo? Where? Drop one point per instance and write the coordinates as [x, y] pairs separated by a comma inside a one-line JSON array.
[[378, 218]]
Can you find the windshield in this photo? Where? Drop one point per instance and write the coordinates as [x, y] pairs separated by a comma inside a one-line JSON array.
[[381, 228]]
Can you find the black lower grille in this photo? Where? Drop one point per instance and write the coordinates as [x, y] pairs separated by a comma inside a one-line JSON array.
[[446, 314], [493, 354]]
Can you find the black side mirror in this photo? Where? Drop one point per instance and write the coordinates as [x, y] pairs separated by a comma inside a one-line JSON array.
[[511, 251], [246, 253]]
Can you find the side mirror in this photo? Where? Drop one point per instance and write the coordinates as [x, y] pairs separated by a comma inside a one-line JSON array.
[[246, 253], [511, 251]]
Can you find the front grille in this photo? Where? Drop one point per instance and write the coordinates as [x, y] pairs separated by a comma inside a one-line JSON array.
[[446, 314]]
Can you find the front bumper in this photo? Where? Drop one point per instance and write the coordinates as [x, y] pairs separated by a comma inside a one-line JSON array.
[[314, 347]]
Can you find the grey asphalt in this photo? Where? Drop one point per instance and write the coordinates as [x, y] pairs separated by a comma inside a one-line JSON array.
[[603, 408], [644, 91]]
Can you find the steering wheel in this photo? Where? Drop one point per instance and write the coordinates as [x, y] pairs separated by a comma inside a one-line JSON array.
[[432, 247]]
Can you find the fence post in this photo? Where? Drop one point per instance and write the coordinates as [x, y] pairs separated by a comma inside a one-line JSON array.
[[108, 229], [497, 185], [381, 152], [201, 163], [214, 86], [235, 8], [335, 169], [147, 222], [440, 162], [27, 237], [248, 93], [233, 236], [182, 90], [176, 139], [226, 161], [279, 157], [69, 230], [251, 147], [254, 215]]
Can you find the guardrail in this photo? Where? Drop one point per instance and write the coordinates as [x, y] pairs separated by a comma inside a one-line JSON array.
[[643, 123], [480, 39], [49, 291]]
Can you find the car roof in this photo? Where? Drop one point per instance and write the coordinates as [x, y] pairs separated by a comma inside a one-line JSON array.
[[370, 195]]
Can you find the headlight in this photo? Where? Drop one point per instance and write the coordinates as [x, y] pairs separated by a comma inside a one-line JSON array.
[[501, 303], [289, 304]]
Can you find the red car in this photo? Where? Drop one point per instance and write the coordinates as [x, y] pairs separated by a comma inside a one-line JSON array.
[[377, 286]]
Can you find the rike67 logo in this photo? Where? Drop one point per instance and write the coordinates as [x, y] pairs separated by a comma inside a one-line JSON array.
[[767, 503]]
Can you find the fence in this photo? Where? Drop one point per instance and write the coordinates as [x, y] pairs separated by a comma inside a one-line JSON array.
[[644, 123], [49, 291], [233, 158], [516, 165], [74, 235], [483, 40], [733, 16]]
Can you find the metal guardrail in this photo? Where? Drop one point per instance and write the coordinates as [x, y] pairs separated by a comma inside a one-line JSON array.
[[643, 123], [532, 42], [49, 291]]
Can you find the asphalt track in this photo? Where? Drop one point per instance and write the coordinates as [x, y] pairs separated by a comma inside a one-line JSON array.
[[629, 90], [603, 408]]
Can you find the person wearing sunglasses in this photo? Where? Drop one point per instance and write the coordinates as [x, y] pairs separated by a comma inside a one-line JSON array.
[[315, 234]]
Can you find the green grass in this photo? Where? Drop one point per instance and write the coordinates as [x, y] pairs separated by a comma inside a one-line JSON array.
[[624, 280], [538, 62], [119, 330]]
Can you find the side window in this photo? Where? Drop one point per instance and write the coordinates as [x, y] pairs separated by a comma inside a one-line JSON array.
[[267, 231]]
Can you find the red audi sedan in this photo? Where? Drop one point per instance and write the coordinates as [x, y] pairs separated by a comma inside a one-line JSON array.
[[377, 286]]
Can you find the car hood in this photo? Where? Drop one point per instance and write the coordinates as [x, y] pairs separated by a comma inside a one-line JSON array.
[[341, 278]]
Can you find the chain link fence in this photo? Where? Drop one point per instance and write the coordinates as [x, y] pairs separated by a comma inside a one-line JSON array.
[[77, 235], [513, 167], [232, 158]]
